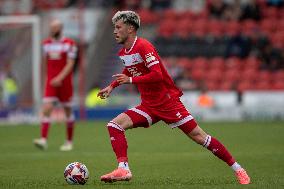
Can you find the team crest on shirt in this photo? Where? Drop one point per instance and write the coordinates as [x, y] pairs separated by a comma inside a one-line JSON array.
[[178, 115], [150, 57], [135, 59]]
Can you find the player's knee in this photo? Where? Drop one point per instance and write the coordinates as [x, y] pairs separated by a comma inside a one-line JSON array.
[[198, 135], [114, 125], [123, 120], [46, 110]]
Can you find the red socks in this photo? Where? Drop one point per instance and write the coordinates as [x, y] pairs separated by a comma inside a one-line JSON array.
[[45, 127], [118, 141], [119, 145], [70, 130], [219, 150]]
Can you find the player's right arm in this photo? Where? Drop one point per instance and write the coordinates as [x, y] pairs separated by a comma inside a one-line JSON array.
[[104, 93]]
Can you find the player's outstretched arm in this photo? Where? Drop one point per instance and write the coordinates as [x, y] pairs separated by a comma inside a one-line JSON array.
[[104, 93]]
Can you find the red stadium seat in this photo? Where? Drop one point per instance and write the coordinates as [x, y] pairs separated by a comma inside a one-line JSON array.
[[226, 86], [185, 63], [268, 25], [278, 76], [214, 75], [231, 75], [245, 85], [270, 12], [249, 27], [264, 76], [169, 14], [280, 24], [277, 85], [232, 28], [212, 85], [166, 28], [217, 63], [183, 28], [202, 14], [197, 74], [252, 63], [199, 27], [216, 28], [249, 75], [234, 63], [200, 63], [278, 39], [148, 17], [281, 13], [187, 14], [262, 85]]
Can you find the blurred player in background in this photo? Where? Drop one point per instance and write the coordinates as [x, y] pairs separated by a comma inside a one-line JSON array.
[[160, 99], [59, 58]]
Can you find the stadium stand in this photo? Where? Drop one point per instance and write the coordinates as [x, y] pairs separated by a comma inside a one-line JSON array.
[[209, 46], [243, 51]]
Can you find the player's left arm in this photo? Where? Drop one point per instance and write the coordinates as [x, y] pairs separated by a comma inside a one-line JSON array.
[[71, 55]]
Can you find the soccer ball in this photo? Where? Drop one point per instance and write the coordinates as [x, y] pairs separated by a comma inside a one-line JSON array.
[[76, 173]]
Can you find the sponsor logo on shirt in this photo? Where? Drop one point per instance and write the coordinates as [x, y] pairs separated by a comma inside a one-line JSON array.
[[54, 55], [134, 71], [130, 60], [150, 57]]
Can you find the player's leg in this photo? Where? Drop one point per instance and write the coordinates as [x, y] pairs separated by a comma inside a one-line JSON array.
[[193, 131], [65, 93], [45, 123], [181, 118], [70, 125], [116, 128]]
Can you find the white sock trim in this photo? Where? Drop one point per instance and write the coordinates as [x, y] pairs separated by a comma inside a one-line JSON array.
[[71, 118], [207, 141], [45, 119], [115, 125], [123, 165], [236, 166]]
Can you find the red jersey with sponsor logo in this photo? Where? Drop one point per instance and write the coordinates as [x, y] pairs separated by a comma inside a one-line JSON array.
[[56, 53], [142, 59]]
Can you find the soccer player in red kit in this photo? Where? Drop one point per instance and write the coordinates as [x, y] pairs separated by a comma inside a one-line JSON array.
[[160, 100], [59, 57]]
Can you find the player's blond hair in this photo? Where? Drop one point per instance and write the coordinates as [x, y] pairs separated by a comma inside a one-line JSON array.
[[128, 17]]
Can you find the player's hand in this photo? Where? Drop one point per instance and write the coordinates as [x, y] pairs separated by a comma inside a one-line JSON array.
[[104, 93], [122, 78], [56, 82]]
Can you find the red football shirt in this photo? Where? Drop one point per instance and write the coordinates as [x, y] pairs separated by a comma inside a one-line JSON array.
[[56, 53], [144, 65]]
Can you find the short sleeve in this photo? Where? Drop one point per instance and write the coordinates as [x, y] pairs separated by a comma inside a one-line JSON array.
[[72, 51]]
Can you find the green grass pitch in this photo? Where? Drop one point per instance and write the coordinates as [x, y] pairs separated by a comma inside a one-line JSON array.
[[159, 156]]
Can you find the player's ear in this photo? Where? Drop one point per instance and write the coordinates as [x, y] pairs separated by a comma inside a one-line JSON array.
[[131, 28]]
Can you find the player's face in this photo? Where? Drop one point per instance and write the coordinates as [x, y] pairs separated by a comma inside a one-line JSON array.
[[121, 31], [55, 29]]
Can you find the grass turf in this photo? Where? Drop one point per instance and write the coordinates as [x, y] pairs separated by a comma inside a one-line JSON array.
[[159, 157]]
